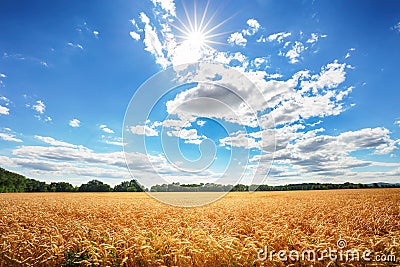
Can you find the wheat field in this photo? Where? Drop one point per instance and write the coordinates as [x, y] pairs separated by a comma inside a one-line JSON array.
[[132, 229]]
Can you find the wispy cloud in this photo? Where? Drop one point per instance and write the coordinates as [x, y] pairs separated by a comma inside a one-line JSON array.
[[4, 110], [79, 46], [279, 37], [10, 137], [396, 27], [105, 129], [315, 37], [75, 123]]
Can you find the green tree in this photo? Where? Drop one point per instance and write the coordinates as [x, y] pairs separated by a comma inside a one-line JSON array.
[[129, 186], [94, 186]]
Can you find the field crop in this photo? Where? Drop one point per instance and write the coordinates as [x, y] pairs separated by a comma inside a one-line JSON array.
[[132, 229]]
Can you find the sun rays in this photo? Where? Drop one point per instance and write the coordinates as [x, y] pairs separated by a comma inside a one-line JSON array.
[[196, 32]]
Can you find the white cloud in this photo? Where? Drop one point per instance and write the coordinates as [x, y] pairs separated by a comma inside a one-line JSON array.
[[330, 77], [9, 137], [105, 129], [2, 75], [4, 110], [237, 39], [201, 123], [74, 123], [311, 155], [116, 141], [40, 107], [143, 130], [301, 152], [253, 28], [279, 37], [54, 142], [240, 139], [396, 27], [166, 5], [176, 124], [294, 53], [189, 135], [75, 45], [135, 35], [397, 122], [96, 34], [315, 37], [152, 42], [259, 62], [348, 54]]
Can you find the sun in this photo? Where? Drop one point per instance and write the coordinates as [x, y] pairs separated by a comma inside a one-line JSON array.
[[198, 32], [196, 38]]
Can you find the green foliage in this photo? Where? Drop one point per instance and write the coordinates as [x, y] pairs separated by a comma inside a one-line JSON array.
[[62, 187], [129, 186], [94, 186], [13, 182], [210, 187]]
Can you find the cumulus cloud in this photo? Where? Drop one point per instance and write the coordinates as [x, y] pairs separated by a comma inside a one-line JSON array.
[[75, 123], [143, 130], [253, 28], [290, 108], [189, 135], [241, 139], [294, 53], [96, 34], [237, 39], [330, 77], [135, 35], [39, 107]]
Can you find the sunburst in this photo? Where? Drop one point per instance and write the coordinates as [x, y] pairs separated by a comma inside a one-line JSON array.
[[199, 33]]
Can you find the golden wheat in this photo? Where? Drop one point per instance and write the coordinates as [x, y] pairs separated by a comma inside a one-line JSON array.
[[131, 229]]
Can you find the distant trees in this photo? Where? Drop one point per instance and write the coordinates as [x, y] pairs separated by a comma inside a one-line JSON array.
[[177, 187], [211, 187], [13, 182], [129, 186], [94, 186], [62, 187]]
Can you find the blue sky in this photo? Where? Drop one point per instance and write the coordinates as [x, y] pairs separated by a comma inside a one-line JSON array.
[[328, 72]]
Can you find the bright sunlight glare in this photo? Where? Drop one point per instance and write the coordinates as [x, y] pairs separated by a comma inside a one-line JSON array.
[[198, 32]]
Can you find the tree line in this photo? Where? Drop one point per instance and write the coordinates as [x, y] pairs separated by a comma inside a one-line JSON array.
[[212, 187], [13, 182]]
